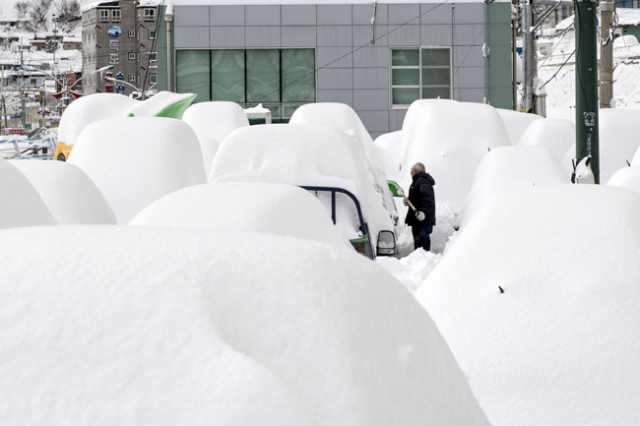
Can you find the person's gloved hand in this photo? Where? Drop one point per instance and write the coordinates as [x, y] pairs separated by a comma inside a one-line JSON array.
[[405, 202], [420, 216]]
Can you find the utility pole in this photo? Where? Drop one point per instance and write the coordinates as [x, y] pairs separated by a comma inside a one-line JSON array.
[[587, 84], [23, 101], [529, 54], [607, 10]]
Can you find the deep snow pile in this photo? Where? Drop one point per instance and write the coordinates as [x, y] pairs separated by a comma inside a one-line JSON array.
[[240, 206], [71, 197], [212, 122], [88, 109], [135, 161], [510, 168], [413, 269], [619, 141], [444, 136], [629, 177], [557, 135], [21, 205], [391, 151], [517, 123], [560, 345], [233, 329], [304, 155]]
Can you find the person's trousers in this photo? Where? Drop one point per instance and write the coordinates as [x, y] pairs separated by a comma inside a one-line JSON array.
[[421, 236]]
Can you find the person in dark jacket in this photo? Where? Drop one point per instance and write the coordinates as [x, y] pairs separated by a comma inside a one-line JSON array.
[[422, 196]]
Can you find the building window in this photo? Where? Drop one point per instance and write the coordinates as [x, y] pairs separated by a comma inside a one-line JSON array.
[[149, 14], [115, 15], [132, 78], [132, 33], [281, 79], [153, 57], [420, 74], [153, 79], [113, 59], [104, 16], [152, 34], [132, 56]]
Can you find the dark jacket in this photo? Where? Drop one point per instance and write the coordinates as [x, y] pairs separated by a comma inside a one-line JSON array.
[[422, 197]]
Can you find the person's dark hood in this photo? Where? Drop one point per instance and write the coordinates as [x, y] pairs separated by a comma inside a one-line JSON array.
[[424, 175]]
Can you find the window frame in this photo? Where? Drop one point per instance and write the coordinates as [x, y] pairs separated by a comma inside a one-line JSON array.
[[104, 15], [132, 34], [131, 56], [149, 14], [152, 34], [153, 78], [420, 67], [116, 15]]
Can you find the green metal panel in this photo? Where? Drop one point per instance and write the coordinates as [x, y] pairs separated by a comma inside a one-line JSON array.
[[501, 56], [635, 31]]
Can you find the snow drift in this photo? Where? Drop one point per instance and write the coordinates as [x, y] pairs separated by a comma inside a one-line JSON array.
[[560, 345], [198, 327], [135, 161], [21, 205], [555, 134], [510, 168], [628, 177], [256, 207], [71, 197], [212, 122], [517, 123]]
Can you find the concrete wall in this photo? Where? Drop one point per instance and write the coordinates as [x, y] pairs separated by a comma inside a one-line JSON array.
[[352, 69]]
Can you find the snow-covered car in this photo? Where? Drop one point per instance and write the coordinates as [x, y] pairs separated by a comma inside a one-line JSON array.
[[326, 162]]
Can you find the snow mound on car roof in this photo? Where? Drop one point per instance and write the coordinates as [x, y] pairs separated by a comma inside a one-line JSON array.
[[212, 122], [72, 198], [560, 345], [509, 168], [135, 161], [240, 206], [88, 109], [444, 136], [555, 134], [21, 203], [517, 122], [123, 325], [629, 177]]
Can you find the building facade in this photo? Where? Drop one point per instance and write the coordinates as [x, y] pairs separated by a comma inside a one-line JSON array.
[[121, 34], [374, 56]]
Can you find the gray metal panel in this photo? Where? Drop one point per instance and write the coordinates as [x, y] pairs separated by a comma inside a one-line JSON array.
[[470, 77], [435, 13], [371, 100], [436, 35], [191, 16], [362, 14], [403, 13], [375, 121], [335, 35], [371, 78], [342, 96], [333, 14], [408, 35], [191, 37], [469, 95], [362, 35], [226, 15], [469, 13], [371, 57], [298, 36], [298, 15], [334, 57], [263, 36], [263, 15], [335, 78], [396, 119], [227, 37], [468, 56], [469, 34]]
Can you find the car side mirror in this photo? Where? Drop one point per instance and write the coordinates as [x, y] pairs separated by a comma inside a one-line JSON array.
[[386, 243]]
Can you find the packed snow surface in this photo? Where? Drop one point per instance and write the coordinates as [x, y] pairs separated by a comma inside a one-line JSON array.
[[159, 103], [135, 161], [304, 155], [212, 122], [510, 168], [391, 150], [72, 198], [560, 345], [244, 206], [628, 177], [517, 123], [20, 203], [88, 109], [413, 269], [444, 136], [557, 135], [130, 325]]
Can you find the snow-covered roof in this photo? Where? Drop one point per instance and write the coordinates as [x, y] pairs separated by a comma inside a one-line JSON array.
[[628, 17]]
